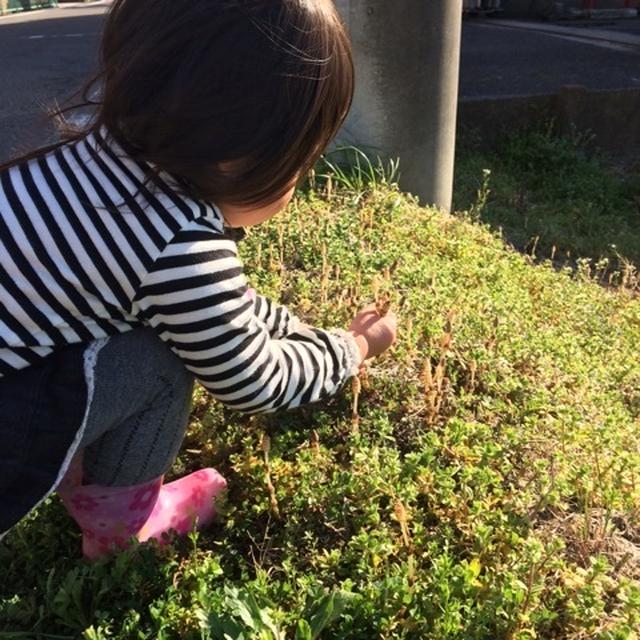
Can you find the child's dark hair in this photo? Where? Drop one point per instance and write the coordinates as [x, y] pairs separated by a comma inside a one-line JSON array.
[[261, 86]]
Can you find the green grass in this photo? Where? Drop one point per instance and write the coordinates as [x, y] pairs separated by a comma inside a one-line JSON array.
[[489, 487], [554, 198]]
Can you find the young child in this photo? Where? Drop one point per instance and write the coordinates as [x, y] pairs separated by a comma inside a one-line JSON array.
[[120, 282]]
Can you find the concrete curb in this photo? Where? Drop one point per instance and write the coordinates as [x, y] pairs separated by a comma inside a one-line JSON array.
[[75, 4], [8, 8], [610, 118]]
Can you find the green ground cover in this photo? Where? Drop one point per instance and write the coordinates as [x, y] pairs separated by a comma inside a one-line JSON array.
[[486, 486], [554, 198]]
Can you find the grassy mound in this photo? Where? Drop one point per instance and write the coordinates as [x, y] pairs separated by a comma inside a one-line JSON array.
[[486, 483]]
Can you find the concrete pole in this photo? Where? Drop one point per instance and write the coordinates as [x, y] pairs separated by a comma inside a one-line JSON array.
[[407, 59]]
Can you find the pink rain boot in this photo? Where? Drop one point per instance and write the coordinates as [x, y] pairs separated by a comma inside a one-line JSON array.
[[110, 516]]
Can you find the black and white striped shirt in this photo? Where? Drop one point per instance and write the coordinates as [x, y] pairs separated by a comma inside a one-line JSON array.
[[87, 251]]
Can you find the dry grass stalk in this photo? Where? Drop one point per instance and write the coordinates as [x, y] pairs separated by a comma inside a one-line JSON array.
[[265, 444], [473, 370], [356, 388], [357, 289], [364, 379], [324, 279], [400, 512], [274, 264], [534, 247], [281, 244], [434, 379], [315, 443], [381, 290], [492, 342], [597, 532], [383, 304]]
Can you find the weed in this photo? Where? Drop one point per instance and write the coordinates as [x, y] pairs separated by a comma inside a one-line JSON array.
[[351, 170], [555, 199], [481, 482]]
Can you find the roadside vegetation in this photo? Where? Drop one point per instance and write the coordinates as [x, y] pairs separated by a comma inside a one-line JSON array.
[[555, 198], [481, 481]]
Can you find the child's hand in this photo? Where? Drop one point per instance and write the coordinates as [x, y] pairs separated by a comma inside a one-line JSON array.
[[374, 333]]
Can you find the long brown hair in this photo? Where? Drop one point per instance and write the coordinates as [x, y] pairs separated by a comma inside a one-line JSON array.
[[259, 86]]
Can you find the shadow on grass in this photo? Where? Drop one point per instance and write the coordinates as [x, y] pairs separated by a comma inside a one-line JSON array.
[[554, 199]]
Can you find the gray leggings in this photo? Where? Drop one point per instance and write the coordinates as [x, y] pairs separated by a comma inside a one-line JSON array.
[[139, 413]]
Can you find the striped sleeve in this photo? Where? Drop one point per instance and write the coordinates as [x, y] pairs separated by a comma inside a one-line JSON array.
[[279, 321], [196, 298]]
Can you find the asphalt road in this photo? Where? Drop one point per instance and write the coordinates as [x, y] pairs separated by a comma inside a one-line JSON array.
[[498, 60], [46, 55]]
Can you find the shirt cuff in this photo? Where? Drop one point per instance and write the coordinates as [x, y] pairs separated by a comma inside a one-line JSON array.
[[353, 356]]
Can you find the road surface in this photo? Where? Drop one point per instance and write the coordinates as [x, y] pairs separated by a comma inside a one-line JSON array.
[[503, 58], [46, 55]]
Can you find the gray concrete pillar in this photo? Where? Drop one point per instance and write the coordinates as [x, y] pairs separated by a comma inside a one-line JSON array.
[[407, 59]]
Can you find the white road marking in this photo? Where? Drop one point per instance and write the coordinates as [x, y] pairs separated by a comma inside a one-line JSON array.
[[627, 47], [603, 44], [61, 35], [618, 37]]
